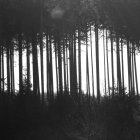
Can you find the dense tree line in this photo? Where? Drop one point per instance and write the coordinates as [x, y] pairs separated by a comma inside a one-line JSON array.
[[62, 27], [50, 102]]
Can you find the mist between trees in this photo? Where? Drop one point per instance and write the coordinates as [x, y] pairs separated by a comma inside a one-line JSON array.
[[61, 29]]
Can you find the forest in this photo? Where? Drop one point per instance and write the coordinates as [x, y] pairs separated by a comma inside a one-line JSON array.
[[49, 102]]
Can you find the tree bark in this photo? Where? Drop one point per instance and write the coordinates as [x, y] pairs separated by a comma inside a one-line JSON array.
[[20, 64], [97, 61]]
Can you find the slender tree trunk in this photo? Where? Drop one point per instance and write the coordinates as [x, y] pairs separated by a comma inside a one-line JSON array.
[[104, 47], [75, 67], [47, 67], [67, 64], [0, 68], [13, 73], [112, 63], [35, 65], [79, 62], [132, 70], [41, 63], [107, 63], [135, 65], [51, 70], [118, 65], [8, 66], [92, 63], [128, 61], [71, 64], [64, 64], [20, 64], [87, 69], [122, 66], [97, 61], [12, 68], [56, 65], [41, 49], [3, 79], [28, 66], [60, 65]]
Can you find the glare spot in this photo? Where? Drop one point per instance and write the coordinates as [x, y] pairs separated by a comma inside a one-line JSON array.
[[57, 13]]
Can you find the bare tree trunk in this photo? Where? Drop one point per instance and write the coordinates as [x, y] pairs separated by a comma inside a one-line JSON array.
[[92, 63], [67, 64], [28, 66], [0, 68], [51, 69], [47, 67], [41, 63], [97, 61], [75, 67], [79, 62], [87, 69], [135, 66], [3, 69], [64, 64], [12, 69], [104, 47], [107, 63], [132, 70], [8, 66], [20, 64], [56, 65], [71, 64], [118, 65], [41, 49], [122, 66], [128, 61], [60, 67], [35, 66], [112, 63]]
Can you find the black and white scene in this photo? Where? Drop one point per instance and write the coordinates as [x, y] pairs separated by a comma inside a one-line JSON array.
[[70, 69]]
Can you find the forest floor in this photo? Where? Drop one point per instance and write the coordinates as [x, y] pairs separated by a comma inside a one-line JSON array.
[[23, 117]]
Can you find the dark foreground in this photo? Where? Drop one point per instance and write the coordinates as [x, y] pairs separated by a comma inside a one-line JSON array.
[[23, 117]]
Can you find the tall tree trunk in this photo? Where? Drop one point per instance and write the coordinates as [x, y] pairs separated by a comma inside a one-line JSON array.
[[60, 65], [8, 65], [135, 66], [3, 79], [107, 63], [118, 65], [28, 66], [128, 61], [71, 64], [35, 66], [87, 69], [104, 47], [67, 64], [64, 64], [97, 61], [41, 48], [0, 68], [56, 65], [20, 64], [51, 69], [112, 63], [92, 62], [132, 70], [79, 62], [41, 63], [75, 67], [122, 66], [12, 68], [47, 67]]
